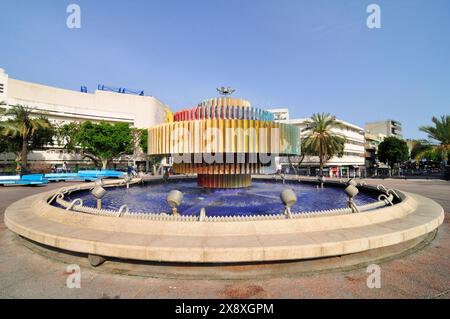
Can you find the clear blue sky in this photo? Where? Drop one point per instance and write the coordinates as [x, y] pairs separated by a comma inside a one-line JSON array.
[[309, 56]]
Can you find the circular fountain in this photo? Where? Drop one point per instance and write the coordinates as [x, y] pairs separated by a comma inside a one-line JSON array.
[[216, 213], [222, 226]]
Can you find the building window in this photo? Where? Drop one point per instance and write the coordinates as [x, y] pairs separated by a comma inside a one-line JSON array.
[[354, 154], [354, 143]]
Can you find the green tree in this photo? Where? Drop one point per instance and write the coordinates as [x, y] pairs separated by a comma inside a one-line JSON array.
[[24, 133], [320, 140], [419, 147], [100, 142], [66, 135], [393, 150], [143, 139], [440, 132], [431, 154], [9, 145]]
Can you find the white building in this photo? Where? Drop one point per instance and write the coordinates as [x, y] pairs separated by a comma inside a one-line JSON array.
[[385, 128], [350, 165], [281, 114], [63, 106]]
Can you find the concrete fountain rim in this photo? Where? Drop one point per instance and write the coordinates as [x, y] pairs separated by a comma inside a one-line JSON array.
[[222, 242]]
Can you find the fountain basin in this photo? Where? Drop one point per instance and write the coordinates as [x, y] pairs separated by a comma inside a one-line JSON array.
[[260, 199], [218, 240]]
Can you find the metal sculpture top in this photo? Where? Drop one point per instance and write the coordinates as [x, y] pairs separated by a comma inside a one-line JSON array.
[[225, 90]]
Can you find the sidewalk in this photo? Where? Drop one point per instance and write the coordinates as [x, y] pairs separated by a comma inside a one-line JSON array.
[[424, 274]]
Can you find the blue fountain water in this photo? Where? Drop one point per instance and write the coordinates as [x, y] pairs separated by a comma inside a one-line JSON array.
[[260, 199]]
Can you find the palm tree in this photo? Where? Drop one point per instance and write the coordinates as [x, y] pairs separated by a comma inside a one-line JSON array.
[[440, 132], [320, 140], [24, 126]]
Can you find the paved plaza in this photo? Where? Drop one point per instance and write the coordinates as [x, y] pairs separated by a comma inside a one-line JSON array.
[[25, 273]]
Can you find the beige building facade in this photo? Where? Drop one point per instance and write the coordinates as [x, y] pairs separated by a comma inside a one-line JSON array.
[[62, 106], [385, 128]]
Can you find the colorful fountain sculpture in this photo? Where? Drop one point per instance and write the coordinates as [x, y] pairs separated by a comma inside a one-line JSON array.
[[224, 141]]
